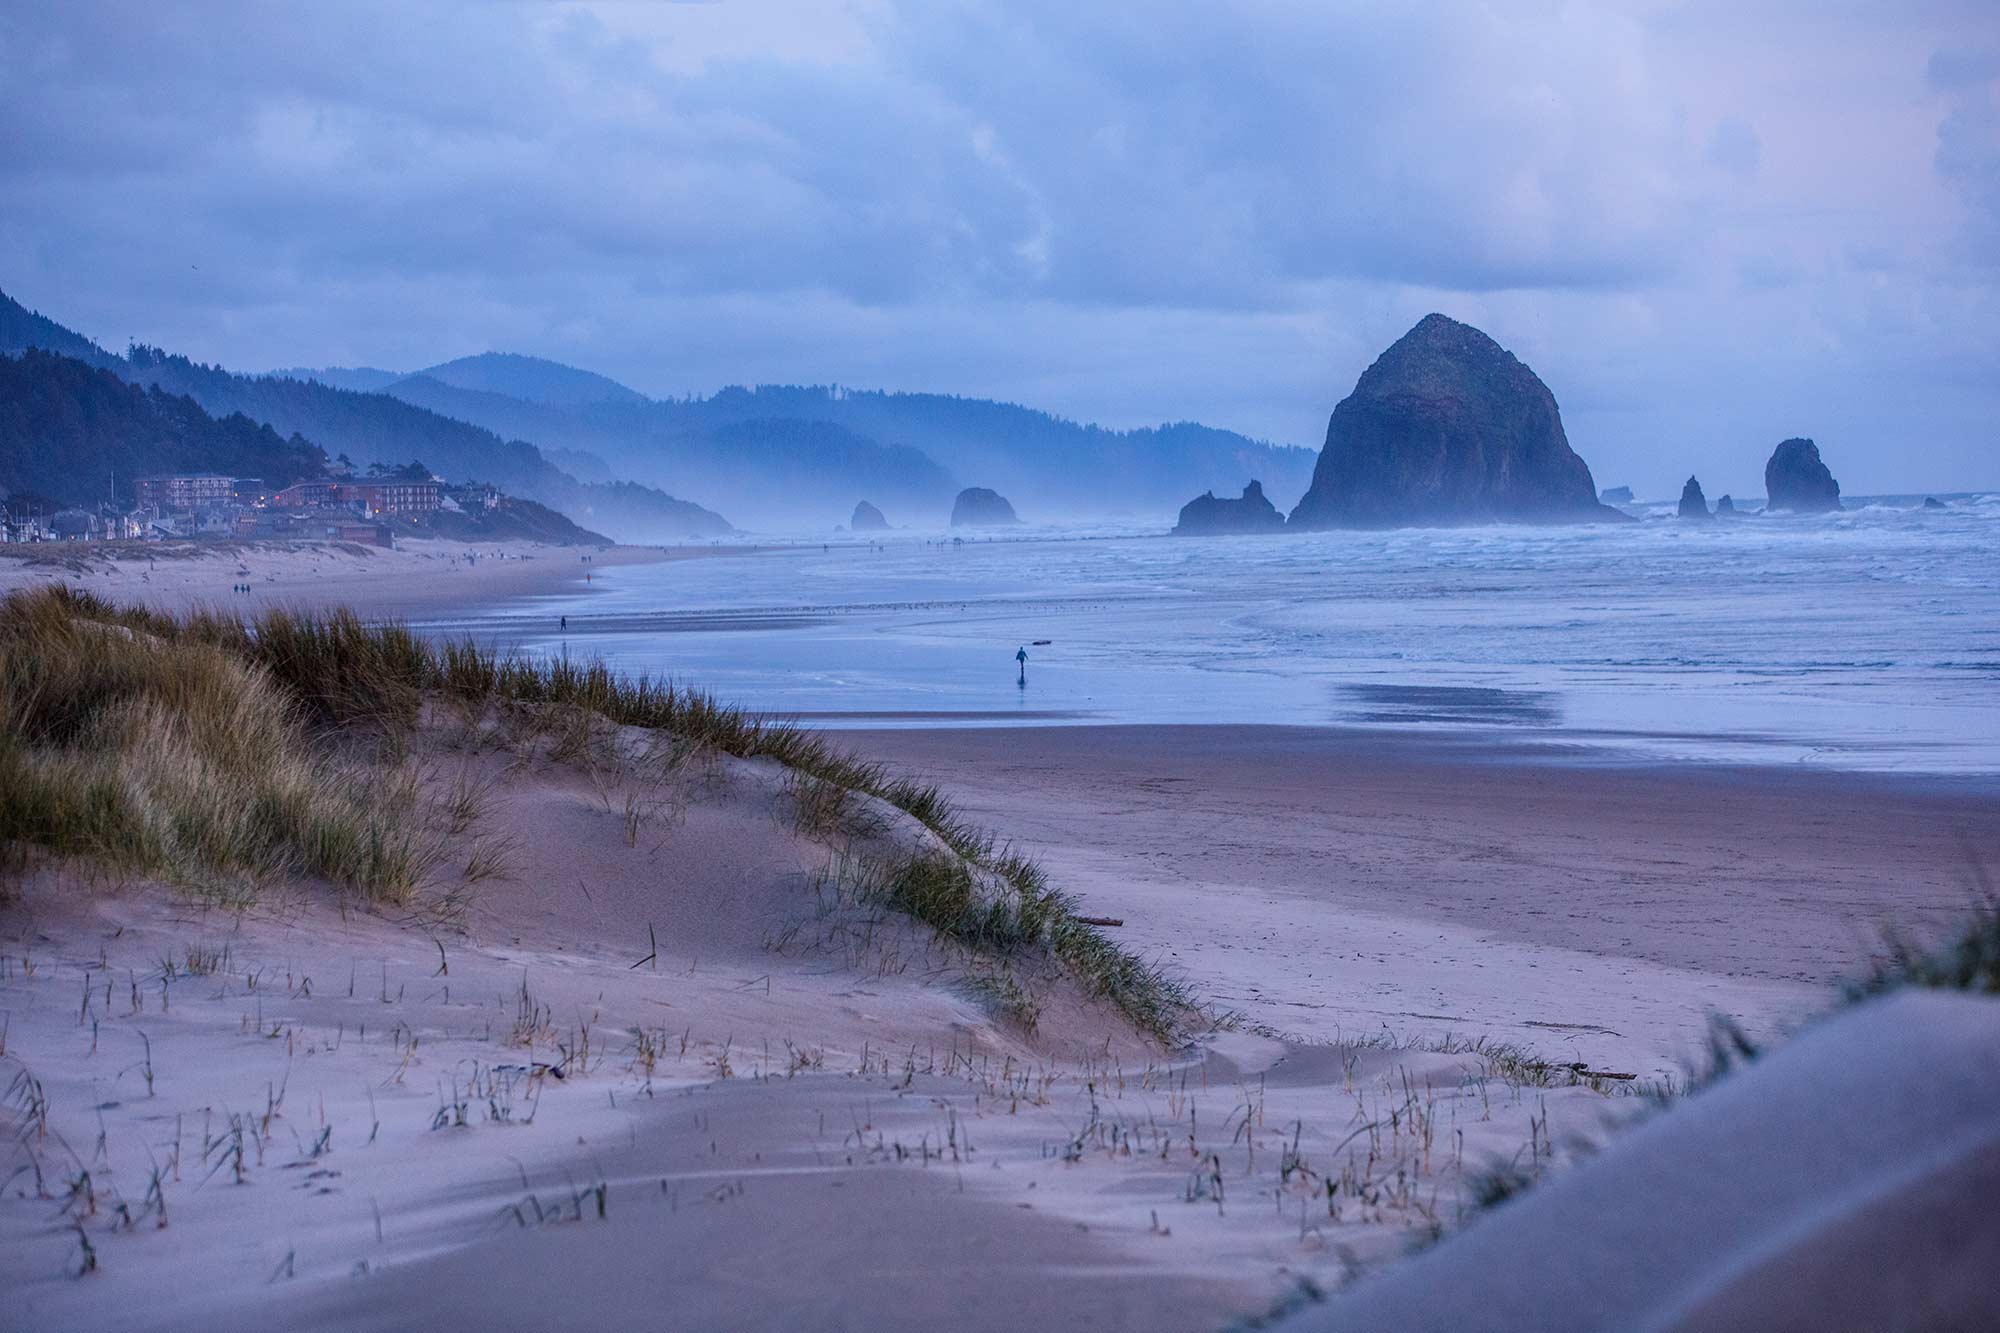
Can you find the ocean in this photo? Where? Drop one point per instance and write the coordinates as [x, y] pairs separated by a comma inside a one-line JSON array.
[[1868, 639]]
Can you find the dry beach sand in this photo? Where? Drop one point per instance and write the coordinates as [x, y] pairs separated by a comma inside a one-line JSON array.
[[414, 579], [642, 1058]]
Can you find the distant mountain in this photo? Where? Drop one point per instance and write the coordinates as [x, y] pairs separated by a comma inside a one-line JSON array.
[[378, 428], [360, 379], [775, 455], [1047, 464], [531, 379], [77, 434], [752, 451], [774, 472]]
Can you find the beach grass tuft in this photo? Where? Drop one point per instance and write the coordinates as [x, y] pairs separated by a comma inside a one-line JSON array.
[[1969, 960], [141, 747]]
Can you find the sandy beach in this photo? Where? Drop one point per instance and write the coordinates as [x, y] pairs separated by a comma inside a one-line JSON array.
[[642, 1047], [1332, 883], [414, 579]]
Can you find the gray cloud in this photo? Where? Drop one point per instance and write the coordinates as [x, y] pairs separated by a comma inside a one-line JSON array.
[[1705, 225]]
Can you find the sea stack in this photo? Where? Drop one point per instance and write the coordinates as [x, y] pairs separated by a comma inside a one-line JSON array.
[[1726, 508], [1616, 495], [867, 518], [977, 507], [1796, 479], [1448, 427], [1206, 514], [1693, 503], [1932, 502]]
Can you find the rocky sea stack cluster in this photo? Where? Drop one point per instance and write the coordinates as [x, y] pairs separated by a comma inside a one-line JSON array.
[[1206, 514], [1448, 427], [1797, 480], [978, 507], [867, 518]]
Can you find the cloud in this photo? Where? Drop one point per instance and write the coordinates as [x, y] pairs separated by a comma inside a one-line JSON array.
[[1178, 210], [1968, 142]]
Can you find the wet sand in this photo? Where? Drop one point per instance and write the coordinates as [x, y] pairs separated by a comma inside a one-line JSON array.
[[1330, 882]]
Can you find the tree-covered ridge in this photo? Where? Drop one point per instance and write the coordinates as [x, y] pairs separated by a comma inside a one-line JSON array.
[[368, 427], [912, 450], [758, 467], [21, 328], [76, 434], [775, 453], [373, 427], [1024, 451]]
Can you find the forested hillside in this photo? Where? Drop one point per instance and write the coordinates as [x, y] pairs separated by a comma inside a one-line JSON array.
[[76, 434], [373, 427], [777, 449]]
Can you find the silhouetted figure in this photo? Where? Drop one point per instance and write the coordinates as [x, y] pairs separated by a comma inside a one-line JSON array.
[[1021, 656]]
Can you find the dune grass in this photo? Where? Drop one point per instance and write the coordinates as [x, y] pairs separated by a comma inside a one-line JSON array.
[[184, 747], [1969, 960], [137, 753]]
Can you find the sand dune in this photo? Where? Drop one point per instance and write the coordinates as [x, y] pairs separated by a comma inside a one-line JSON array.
[[657, 1034], [1845, 1182]]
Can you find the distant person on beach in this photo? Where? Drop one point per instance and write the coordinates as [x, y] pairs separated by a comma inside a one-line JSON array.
[[1021, 656]]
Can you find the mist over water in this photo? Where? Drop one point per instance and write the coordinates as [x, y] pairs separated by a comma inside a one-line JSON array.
[[1868, 639]]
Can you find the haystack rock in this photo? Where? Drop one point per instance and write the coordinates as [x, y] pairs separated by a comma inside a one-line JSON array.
[[867, 518], [1253, 513], [977, 507], [1797, 480], [1693, 503], [1448, 427]]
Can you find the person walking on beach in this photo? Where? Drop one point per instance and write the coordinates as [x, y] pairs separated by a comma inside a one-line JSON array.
[[1021, 656]]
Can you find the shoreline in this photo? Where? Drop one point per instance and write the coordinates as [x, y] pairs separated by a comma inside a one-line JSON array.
[[414, 579], [1444, 744]]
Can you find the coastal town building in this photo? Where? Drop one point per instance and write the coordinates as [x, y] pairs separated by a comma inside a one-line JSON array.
[[73, 525], [218, 505], [306, 495], [327, 524], [198, 490], [393, 498], [23, 527], [396, 498], [474, 497]]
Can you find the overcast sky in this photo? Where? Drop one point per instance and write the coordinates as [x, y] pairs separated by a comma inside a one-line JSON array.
[[1707, 226]]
